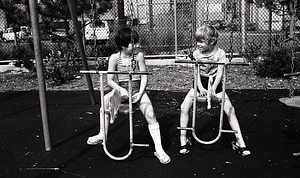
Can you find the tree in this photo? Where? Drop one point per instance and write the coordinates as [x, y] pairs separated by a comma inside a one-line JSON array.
[[17, 11], [291, 7], [58, 10], [15, 15]]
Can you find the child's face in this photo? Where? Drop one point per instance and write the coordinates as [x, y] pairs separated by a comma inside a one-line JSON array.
[[133, 49], [204, 45]]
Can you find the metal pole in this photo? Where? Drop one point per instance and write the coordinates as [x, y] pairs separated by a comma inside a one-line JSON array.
[[243, 27], [40, 74], [81, 48], [175, 27]]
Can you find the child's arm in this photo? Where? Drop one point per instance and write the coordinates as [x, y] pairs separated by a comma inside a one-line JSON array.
[[144, 78], [202, 90], [218, 79], [112, 65], [222, 58]]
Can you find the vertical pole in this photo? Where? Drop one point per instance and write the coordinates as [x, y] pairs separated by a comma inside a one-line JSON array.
[[130, 109], [121, 16], [175, 27], [223, 100], [243, 28], [83, 30], [150, 15], [196, 67], [102, 110], [40, 74], [81, 48]]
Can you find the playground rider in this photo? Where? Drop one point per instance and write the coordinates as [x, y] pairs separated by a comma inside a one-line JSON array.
[[206, 50], [123, 61]]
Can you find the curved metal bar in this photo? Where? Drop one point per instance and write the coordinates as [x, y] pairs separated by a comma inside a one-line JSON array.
[[130, 124], [102, 112]]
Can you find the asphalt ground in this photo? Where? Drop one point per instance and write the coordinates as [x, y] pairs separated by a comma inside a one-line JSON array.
[[270, 130]]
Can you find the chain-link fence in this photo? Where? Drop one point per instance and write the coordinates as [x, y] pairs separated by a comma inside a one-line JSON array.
[[167, 27]]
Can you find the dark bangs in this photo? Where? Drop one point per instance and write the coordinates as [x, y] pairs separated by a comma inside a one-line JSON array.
[[124, 37]]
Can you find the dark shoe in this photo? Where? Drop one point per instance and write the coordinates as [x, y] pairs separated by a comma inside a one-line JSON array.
[[185, 149], [242, 151]]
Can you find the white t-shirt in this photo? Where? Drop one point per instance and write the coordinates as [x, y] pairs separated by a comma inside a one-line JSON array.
[[217, 55]]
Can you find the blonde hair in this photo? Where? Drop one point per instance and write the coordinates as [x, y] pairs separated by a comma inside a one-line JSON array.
[[208, 33]]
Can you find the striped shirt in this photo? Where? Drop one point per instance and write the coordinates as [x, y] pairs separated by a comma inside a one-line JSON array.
[[127, 68]]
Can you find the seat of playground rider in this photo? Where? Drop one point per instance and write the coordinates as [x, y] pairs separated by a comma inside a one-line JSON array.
[[213, 99], [124, 108], [293, 102]]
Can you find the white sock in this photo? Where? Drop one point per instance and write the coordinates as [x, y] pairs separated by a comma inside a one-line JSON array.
[[155, 134]]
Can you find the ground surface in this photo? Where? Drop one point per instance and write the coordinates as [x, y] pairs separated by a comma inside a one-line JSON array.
[[270, 130], [168, 78]]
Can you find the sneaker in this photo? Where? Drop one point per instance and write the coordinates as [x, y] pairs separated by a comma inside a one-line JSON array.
[[163, 158], [185, 149], [94, 140]]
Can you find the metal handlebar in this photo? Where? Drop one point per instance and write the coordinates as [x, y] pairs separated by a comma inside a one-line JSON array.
[[114, 72], [208, 62], [292, 74]]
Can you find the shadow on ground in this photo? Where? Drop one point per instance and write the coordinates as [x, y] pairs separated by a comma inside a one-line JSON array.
[[270, 130]]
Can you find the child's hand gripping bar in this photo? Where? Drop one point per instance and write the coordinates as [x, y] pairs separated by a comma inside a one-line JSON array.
[[210, 81]]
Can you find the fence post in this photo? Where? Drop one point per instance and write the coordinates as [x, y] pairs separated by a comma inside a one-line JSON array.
[[175, 26], [243, 28]]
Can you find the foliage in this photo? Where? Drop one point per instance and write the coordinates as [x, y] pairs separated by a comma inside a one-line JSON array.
[[24, 57], [104, 51], [57, 72], [59, 10], [102, 64], [16, 14], [252, 51], [273, 62]]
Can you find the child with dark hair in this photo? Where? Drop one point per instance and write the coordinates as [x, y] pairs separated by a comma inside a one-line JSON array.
[[129, 57], [209, 74]]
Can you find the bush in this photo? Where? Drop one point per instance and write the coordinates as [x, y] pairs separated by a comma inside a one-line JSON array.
[[102, 63], [22, 54], [275, 64], [252, 51], [57, 73]]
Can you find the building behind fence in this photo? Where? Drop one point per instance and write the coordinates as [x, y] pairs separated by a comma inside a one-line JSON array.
[[168, 26]]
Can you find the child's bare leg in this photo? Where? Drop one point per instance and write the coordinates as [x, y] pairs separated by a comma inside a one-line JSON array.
[[233, 121], [184, 115], [97, 139], [146, 108]]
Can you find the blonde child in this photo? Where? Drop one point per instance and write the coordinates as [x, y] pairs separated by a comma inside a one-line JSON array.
[[124, 61], [206, 50]]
